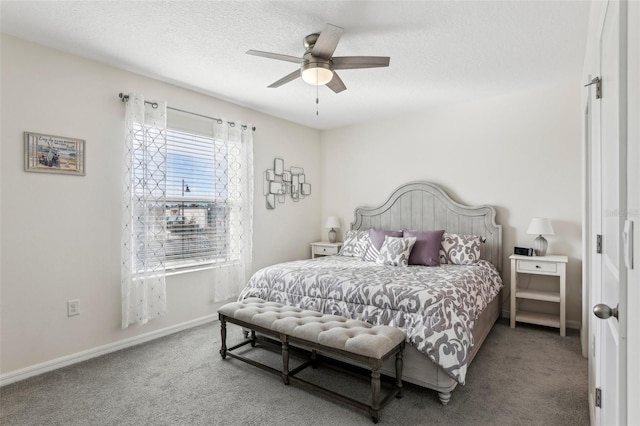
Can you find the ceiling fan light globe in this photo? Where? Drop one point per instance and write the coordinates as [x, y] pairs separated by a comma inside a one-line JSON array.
[[316, 74]]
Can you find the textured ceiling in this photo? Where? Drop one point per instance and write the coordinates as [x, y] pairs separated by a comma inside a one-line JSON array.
[[441, 52]]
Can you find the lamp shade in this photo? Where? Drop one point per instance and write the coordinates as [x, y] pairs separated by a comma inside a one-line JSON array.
[[332, 222], [540, 226]]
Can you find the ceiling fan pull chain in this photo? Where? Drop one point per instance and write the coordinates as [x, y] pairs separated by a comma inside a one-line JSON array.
[[317, 100]]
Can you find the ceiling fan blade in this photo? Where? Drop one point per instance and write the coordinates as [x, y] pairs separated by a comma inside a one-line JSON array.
[[327, 41], [353, 62], [277, 56], [285, 79], [336, 84]]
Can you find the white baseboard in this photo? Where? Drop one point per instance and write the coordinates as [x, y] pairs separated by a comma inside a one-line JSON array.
[[67, 360], [574, 324]]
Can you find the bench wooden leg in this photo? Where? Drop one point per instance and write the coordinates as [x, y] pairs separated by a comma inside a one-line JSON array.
[[375, 395], [223, 334], [374, 364], [285, 359], [399, 373]]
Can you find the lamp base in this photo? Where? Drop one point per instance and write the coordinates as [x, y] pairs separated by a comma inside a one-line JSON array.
[[540, 245], [332, 236]]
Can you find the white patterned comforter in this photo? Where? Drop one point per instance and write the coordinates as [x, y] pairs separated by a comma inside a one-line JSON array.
[[436, 306]]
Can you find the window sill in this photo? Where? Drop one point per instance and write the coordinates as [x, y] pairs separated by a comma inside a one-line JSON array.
[[179, 270]]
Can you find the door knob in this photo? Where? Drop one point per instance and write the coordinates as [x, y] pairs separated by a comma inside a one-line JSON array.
[[604, 311]]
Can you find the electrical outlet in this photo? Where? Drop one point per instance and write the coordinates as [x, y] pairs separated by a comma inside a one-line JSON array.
[[73, 307]]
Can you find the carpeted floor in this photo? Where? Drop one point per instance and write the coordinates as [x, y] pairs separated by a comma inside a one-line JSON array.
[[522, 376]]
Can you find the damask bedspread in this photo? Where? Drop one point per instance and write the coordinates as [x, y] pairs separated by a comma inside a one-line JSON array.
[[435, 306]]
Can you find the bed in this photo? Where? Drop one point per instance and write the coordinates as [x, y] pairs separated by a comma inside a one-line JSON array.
[[447, 310]]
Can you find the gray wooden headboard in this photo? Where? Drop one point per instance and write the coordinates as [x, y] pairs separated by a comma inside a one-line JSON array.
[[423, 206]]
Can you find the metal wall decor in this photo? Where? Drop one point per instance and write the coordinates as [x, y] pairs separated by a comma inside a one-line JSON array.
[[278, 182]]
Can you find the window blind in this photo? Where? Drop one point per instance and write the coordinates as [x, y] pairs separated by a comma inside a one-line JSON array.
[[198, 204]]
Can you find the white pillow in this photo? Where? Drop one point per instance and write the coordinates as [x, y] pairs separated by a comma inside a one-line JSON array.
[[460, 249], [395, 251], [355, 244]]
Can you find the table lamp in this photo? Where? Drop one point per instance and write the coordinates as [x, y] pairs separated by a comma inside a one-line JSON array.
[[540, 226], [332, 222]]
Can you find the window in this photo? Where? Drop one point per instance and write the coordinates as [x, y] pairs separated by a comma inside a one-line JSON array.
[[203, 219], [198, 206], [187, 202]]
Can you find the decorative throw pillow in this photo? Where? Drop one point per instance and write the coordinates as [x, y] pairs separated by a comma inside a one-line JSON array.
[[460, 249], [376, 239], [426, 250], [355, 244], [395, 251]]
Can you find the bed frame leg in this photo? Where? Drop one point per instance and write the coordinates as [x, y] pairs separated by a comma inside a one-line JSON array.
[[444, 397]]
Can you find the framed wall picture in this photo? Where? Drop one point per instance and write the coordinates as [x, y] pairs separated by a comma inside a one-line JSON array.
[[53, 154]]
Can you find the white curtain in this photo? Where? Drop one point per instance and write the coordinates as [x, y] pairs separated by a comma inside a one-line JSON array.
[[143, 227], [237, 191]]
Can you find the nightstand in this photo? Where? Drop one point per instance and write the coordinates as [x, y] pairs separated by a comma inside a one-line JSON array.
[[539, 265], [324, 248]]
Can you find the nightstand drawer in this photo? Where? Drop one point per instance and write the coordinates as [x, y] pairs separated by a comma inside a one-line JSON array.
[[325, 249], [532, 265]]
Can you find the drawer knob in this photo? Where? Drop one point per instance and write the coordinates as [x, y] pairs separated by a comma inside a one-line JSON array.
[[538, 266]]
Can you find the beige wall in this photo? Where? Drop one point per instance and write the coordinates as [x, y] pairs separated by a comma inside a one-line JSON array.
[[61, 234], [519, 153]]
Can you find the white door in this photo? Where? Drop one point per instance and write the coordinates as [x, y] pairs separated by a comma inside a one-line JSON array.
[[632, 313], [610, 331]]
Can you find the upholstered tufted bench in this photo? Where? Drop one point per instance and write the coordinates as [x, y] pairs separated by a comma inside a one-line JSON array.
[[353, 340]]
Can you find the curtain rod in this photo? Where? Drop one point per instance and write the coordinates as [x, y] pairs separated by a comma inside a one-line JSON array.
[[125, 98]]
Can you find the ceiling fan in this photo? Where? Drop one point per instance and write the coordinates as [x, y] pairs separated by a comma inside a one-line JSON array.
[[317, 65]]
